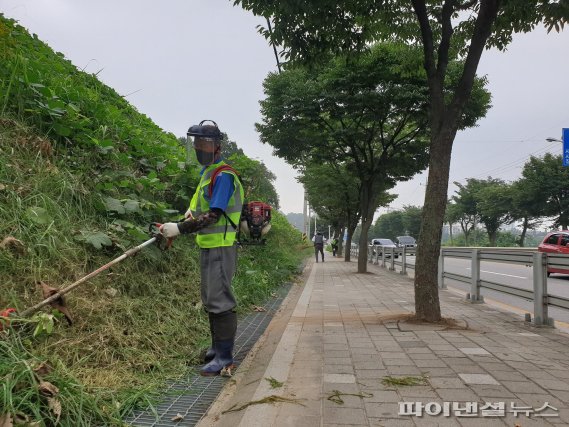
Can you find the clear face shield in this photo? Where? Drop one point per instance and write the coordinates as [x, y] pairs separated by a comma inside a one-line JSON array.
[[206, 149]]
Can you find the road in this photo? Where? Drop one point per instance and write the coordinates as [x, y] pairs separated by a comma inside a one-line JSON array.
[[518, 276]]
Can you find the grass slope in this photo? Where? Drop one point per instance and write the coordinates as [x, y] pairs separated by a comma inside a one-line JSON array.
[[82, 173]]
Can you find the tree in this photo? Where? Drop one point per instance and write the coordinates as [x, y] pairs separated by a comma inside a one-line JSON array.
[[548, 182], [228, 147], [494, 201], [368, 113], [446, 30], [464, 210], [389, 225], [334, 195], [452, 216], [527, 207], [412, 220], [257, 179]]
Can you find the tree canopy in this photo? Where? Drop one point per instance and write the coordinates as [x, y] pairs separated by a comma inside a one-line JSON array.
[[368, 114], [548, 182], [446, 31]]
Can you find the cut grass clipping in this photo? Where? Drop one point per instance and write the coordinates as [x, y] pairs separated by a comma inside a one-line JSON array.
[[404, 381], [336, 396], [274, 383], [269, 399]]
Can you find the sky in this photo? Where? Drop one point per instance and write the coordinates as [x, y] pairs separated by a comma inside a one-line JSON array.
[[183, 61]]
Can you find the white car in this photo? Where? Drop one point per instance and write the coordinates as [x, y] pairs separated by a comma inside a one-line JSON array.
[[384, 243], [406, 241]]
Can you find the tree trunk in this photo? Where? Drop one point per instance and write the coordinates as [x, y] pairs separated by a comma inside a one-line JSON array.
[[492, 236], [450, 232], [347, 254], [465, 232], [367, 209], [341, 241], [427, 306], [363, 243], [524, 231]]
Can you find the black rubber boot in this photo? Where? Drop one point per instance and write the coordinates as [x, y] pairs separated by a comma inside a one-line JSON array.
[[224, 327], [210, 353], [222, 363]]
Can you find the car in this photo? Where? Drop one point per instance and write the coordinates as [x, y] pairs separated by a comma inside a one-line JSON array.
[[384, 243], [406, 242], [555, 242]]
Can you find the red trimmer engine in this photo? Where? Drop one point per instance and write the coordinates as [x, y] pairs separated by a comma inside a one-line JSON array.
[[255, 221]]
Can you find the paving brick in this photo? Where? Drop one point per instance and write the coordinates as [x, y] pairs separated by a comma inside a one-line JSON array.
[[412, 392], [481, 422], [403, 370], [438, 421], [457, 395], [297, 421], [339, 369], [381, 410], [419, 350], [446, 382], [391, 422], [523, 387], [401, 361], [383, 396], [337, 361], [427, 363], [538, 400], [350, 416], [553, 384]]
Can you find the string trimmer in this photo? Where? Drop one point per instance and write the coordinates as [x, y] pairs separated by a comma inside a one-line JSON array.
[[156, 238]]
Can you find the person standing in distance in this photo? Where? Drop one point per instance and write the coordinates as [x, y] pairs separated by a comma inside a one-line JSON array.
[[214, 213], [319, 241]]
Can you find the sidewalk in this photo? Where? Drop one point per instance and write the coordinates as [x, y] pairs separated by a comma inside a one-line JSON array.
[[347, 332]]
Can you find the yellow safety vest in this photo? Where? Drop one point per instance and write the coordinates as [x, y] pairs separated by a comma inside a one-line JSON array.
[[222, 233]]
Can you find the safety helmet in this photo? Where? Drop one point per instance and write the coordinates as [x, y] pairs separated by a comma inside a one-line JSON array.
[[205, 131]]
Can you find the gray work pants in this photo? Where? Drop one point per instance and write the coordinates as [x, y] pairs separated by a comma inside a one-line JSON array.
[[218, 267]]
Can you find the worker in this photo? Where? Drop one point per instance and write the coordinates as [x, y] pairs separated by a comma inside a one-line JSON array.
[[334, 245], [319, 241], [214, 213]]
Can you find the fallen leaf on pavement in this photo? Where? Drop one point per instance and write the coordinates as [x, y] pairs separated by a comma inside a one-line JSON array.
[[178, 417]]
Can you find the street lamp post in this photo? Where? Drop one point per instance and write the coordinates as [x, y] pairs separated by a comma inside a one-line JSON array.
[[565, 141]]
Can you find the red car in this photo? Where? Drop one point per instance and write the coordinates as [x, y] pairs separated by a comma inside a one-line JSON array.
[[555, 243]]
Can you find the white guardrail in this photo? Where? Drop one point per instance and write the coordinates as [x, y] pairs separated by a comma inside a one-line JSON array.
[[539, 262]]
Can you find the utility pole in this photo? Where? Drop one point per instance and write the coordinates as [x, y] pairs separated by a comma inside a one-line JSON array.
[[308, 234], [328, 232], [304, 228]]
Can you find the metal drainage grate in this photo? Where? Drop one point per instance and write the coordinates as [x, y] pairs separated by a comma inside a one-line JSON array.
[[191, 397]]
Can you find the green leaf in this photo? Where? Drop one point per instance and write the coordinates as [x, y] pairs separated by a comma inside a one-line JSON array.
[[114, 205], [125, 224], [62, 130], [98, 240], [38, 215], [131, 206], [138, 234]]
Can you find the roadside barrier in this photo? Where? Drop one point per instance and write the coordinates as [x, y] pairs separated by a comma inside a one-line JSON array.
[[538, 261]]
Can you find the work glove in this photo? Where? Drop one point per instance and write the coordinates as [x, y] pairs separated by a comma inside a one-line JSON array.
[[170, 230], [188, 214]]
